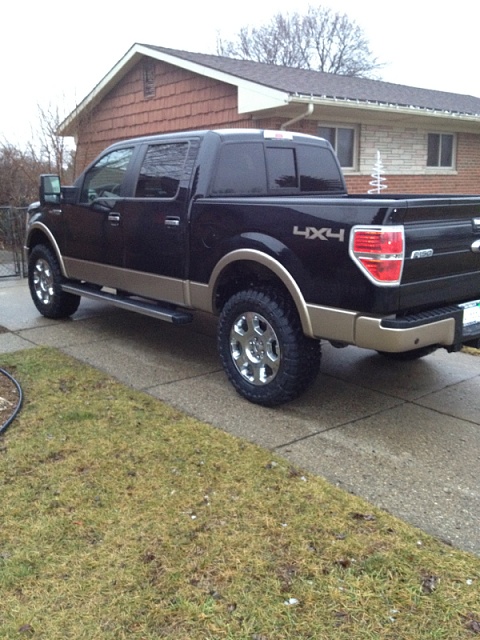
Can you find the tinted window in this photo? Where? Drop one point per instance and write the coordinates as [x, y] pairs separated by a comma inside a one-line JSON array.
[[104, 179], [241, 170], [162, 170], [309, 168], [318, 170], [282, 173]]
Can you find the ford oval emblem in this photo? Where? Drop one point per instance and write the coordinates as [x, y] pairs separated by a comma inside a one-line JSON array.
[[476, 246]]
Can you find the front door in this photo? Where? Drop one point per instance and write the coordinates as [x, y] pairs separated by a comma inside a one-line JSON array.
[[94, 232]]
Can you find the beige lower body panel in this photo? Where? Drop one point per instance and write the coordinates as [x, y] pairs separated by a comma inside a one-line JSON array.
[[148, 285], [367, 332], [328, 323]]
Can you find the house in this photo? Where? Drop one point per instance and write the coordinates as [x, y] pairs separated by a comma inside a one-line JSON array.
[[429, 141]]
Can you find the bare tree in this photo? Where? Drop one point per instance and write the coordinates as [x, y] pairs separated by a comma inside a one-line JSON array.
[[19, 172], [45, 153], [51, 149], [14, 185], [321, 40]]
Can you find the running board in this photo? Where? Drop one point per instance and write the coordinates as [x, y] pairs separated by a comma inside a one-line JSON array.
[[166, 312]]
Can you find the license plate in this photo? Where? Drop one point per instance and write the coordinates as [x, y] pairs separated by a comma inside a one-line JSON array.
[[471, 312]]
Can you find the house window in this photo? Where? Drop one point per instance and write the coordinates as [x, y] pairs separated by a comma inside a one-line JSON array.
[[440, 150], [343, 140]]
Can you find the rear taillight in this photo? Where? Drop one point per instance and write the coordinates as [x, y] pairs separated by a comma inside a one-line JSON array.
[[379, 252]]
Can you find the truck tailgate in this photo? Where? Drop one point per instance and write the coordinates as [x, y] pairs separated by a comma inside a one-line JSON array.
[[442, 252]]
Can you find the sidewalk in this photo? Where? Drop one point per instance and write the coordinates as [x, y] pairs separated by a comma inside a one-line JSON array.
[[405, 436]]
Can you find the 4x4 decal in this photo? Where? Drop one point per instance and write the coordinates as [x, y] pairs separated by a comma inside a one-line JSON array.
[[325, 233]]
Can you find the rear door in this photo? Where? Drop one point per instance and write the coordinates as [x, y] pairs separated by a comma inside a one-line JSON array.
[[155, 220]]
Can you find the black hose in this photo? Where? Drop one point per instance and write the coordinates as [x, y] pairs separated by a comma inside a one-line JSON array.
[[5, 426]]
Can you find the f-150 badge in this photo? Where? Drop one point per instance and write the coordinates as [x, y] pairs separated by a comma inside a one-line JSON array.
[[325, 233]]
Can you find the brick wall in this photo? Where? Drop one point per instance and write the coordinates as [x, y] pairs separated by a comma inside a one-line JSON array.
[[404, 155], [405, 170], [416, 184]]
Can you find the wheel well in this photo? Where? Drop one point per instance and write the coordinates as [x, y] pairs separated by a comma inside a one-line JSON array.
[[243, 275], [37, 237]]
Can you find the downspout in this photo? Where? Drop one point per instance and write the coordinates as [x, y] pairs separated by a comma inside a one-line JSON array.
[[307, 113]]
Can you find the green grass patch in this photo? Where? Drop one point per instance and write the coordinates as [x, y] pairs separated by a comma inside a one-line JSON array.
[[120, 517]]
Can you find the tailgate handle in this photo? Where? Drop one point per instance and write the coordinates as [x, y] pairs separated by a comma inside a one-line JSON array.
[[172, 221]]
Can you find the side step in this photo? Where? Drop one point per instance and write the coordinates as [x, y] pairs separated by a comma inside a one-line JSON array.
[[165, 312]]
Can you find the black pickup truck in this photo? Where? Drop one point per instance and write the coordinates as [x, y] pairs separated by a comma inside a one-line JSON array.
[[257, 228]]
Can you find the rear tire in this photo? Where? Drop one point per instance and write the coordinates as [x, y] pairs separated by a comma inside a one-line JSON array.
[[263, 349], [44, 281]]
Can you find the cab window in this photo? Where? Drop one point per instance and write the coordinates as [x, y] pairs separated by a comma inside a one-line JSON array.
[[240, 170], [162, 170], [104, 179]]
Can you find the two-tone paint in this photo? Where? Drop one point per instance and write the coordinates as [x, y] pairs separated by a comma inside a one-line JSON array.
[[181, 250]]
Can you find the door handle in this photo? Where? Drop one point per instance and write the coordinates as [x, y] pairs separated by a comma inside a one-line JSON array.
[[172, 221], [114, 218]]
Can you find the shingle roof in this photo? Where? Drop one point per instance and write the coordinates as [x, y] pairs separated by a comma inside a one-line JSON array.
[[318, 84]]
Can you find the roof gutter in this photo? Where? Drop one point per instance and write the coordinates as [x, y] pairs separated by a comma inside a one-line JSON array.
[[307, 113]]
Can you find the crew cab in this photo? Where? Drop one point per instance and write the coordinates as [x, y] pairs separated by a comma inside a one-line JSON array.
[[257, 228]]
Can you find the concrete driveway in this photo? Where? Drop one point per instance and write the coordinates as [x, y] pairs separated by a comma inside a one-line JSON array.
[[405, 436]]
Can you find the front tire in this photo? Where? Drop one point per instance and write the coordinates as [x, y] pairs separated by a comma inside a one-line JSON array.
[[44, 281], [263, 350]]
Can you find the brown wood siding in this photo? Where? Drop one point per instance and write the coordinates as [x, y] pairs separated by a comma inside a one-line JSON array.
[[183, 101]]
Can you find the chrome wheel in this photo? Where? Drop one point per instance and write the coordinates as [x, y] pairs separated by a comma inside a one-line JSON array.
[[43, 281], [255, 348], [263, 349]]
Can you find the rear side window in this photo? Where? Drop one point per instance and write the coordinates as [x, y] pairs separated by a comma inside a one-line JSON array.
[[305, 168], [252, 169], [318, 170], [241, 170], [162, 170], [282, 171]]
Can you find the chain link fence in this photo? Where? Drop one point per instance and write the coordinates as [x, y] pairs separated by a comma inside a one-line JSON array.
[[12, 236]]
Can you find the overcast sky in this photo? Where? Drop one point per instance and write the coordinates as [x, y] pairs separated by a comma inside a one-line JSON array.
[[56, 52]]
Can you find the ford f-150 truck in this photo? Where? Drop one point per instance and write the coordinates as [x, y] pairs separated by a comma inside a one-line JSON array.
[[257, 228]]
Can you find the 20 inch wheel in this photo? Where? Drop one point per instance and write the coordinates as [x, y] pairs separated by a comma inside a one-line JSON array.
[[264, 352], [44, 280]]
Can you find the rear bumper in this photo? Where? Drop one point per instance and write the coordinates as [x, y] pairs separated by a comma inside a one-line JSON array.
[[443, 326]]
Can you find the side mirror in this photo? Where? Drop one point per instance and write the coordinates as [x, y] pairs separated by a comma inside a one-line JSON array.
[[50, 189]]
